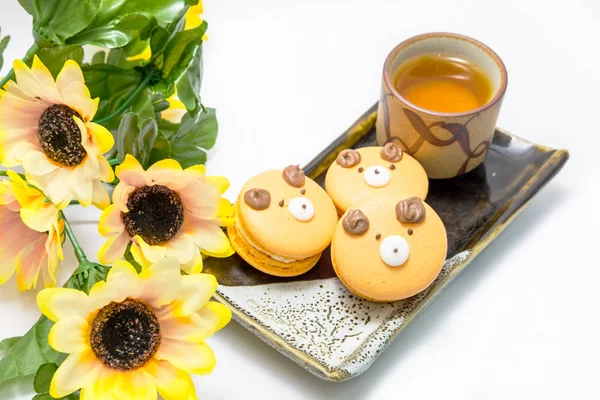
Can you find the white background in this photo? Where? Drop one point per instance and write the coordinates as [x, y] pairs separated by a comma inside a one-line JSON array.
[[287, 77]]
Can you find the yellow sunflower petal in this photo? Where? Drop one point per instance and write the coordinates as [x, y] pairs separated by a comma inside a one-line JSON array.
[[81, 186], [196, 170], [77, 96], [131, 173], [195, 265], [135, 385], [122, 281], [195, 358], [58, 303], [70, 335], [152, 253], [212, 240], [195, 328], [111, 221], [102, 387], [195, 292], [37, 81], [138, 256], [220, 182], [70, 72], [101, 136], [216, 312], [172, 383], [77, 371], [37, 163], [114, 248], [100, 197], [164, 170], [106, 172], [181, 247], [161, 283]]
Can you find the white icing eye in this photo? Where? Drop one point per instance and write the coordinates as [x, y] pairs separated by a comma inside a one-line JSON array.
[[301, 208], [377, 176], [394, 250]]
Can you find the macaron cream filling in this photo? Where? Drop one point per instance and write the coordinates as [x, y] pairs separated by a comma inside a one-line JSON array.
[[246, 236]]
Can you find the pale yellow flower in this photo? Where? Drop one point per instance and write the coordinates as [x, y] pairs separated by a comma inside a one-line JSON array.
[[166, 211], [192, 16], [134, 334], [47, 127], [176, 110], [30, 234]]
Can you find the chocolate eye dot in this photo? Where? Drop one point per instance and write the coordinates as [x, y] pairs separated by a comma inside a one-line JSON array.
[[281, 203], [378, 236], [361, 169], [392, 167], [303, 191], [410, 231]]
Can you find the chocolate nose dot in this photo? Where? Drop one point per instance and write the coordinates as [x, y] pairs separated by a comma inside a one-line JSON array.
[[376, 172], [395, 250], [304, 206]]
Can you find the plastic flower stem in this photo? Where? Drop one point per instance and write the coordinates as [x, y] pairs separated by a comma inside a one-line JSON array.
[[28, 56], [113, 162], [81, 257], [128, 101]]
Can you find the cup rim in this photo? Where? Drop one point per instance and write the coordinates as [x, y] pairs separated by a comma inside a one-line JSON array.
[[503, 74]]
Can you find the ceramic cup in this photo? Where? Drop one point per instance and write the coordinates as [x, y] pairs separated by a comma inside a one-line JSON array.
[[446, 144]]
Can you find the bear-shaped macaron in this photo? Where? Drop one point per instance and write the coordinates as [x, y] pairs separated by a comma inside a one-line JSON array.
[[387, 249], [386, 171], [284, 220]]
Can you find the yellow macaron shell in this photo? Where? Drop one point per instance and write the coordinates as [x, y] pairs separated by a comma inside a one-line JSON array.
[[275, 229], [347, 185], [358, 263]]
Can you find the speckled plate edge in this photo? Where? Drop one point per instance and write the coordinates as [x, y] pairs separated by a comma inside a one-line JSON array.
[[317, 166]]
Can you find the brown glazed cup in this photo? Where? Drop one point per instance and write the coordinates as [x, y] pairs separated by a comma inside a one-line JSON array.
[[446, 144]]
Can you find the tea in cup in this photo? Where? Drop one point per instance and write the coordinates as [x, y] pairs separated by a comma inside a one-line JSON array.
[[440, 101]]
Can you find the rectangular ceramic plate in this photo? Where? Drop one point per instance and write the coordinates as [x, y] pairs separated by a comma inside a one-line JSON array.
[[315, 321]]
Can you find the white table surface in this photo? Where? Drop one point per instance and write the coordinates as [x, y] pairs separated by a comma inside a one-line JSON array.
[[287, 77]]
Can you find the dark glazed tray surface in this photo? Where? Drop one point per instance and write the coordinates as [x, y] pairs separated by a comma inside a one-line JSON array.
[[474, 207]]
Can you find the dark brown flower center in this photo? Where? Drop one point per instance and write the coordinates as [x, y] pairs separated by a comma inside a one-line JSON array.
[[155, 213], [60, 136], [125, 335]]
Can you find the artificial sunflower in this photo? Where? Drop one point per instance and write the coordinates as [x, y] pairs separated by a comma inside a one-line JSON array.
[[134, 334], [46, 126], [30, 234], [166, 211]]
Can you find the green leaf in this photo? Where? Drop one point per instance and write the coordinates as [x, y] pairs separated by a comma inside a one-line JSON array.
[[161, 149], [112, 84], [129, 258], [29, 352], [55, 57], [195, 135], [119, 21], [43, 377], [99, 57], [180, 51], [58, 20], [144, 141], [119, 56], [3, 43], [27, 5], [8, 343], [188, 86], [42, 396], [168, 128]]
